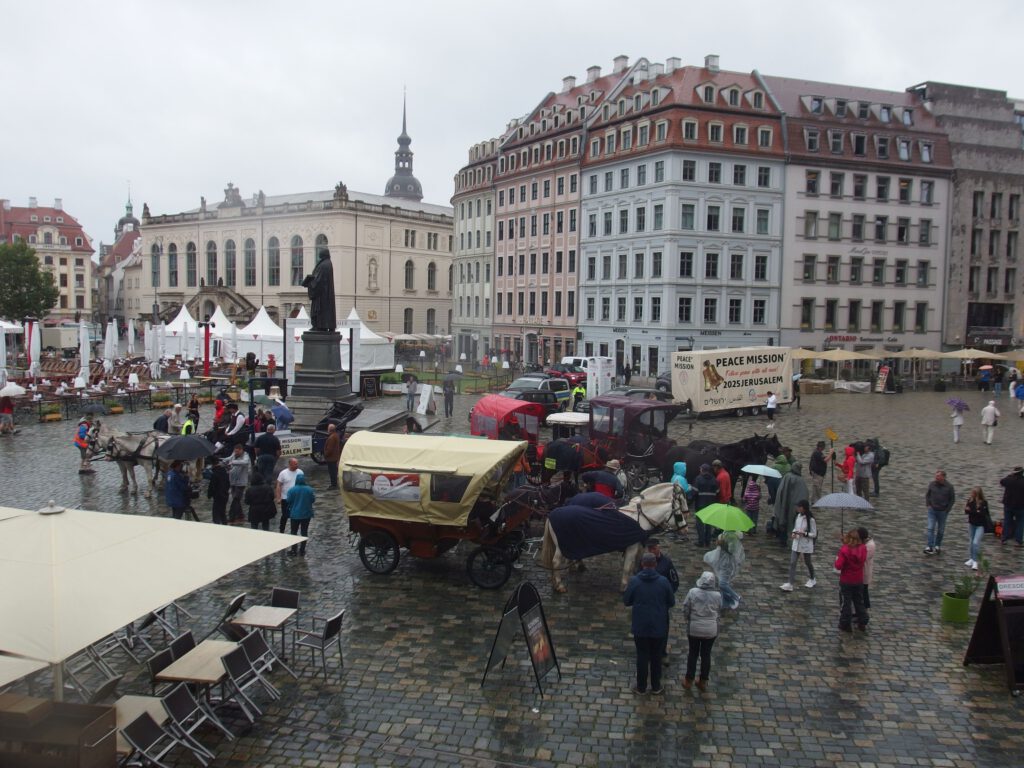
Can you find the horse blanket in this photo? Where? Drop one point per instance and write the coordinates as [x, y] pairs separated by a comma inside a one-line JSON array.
[[584, 532]]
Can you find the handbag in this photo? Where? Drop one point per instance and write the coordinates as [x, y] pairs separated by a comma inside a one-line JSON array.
[[990, 527]]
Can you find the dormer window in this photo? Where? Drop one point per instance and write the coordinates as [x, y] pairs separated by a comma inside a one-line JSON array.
[[885, 113], [734, 97], [622, 107], [811, 139], [46, 219], [863, 110], [816, 104], [709, 93], [903, 148], [33, 217], [758, 100], [78, 241], [835, 139], [840, 107], [605, 112], [638, 100], [882, 147], [926, 152], [655, 97], [60, 219], [908, 117]]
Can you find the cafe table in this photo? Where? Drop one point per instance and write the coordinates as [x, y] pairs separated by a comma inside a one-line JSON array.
[[267, 617], [128, 708]]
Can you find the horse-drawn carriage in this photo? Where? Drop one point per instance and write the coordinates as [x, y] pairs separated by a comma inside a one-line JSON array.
[[501, 418], [636, 433], [426, 494]]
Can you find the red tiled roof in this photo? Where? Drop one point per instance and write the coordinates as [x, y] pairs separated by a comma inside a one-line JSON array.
[[18, 221]]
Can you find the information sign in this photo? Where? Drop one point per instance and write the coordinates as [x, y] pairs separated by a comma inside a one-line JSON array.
[[524, 612], [999, 630]]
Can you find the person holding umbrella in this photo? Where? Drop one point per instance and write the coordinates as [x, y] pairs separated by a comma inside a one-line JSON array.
[[805, 531], [177, 491], [850, 565]]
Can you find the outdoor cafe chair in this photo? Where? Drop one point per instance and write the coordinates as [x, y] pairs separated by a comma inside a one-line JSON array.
[[186, 714], [106, 691], [321, 640], [240, 677], [229, 613], [281, 597], [77, 667], [182, 644], [156, 664], [126, 639], [232, 632], [261, 656], [152, 742]]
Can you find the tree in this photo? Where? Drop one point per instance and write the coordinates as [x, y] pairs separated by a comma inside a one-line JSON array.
[[25, 289]]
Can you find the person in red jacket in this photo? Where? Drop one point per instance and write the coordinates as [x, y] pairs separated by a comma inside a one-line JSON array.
[[850, 564], [724, 482]]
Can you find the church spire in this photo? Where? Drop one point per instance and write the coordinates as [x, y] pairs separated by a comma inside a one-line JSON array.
[[403, 184]]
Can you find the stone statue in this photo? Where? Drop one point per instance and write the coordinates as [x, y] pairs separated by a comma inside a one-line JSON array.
[[261, 199], [341, 192], [145, 210], [372, 275], [320, 287], [202, 204]]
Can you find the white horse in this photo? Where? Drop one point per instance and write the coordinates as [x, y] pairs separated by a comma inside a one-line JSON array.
[[131, 449], [651, 510]]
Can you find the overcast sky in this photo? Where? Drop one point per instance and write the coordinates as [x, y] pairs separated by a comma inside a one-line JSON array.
[[178, 98]]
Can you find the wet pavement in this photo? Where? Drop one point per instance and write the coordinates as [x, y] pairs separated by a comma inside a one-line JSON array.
[[786, 687]]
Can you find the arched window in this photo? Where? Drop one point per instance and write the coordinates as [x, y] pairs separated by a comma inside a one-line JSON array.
[[190, 265], [172, 265], [432, 276], [273, 262], [249, 254], [229, 263], [211, 263], [407, 321], [321, 242], [47, 238], [297, 266], [410, 276], [154, 258], [431, 322], [450, 277]]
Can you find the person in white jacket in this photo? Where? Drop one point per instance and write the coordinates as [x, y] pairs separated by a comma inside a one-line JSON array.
[[805, 531], [958, 421], [989, 419]]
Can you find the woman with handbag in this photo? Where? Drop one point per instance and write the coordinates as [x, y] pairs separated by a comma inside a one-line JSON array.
[[978, 518]]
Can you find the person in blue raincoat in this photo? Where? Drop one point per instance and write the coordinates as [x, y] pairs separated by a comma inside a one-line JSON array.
[[300, 511]]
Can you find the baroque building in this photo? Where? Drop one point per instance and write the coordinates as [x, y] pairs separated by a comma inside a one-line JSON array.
[[63, 250], [110, 273], [391, 255]]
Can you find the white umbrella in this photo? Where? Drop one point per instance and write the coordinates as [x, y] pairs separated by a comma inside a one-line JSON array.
[[761, 469], [162, 339], [109, 347], [147, 341], [842, 502], [3, 358], [83, 354], [234, 343], [35, 348], [131, 337], [184, 348], [10, 389], [69, 566]]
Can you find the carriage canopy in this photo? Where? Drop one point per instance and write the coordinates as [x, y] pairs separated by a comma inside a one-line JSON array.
[[494, 414], [423, 478], [615, 416]]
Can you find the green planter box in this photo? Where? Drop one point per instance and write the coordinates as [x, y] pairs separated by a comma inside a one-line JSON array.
[[955, 609]]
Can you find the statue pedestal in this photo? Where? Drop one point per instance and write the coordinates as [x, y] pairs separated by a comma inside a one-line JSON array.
[[321, 380]]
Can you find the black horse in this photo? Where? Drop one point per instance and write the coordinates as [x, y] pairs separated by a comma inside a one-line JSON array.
[[734, 456]]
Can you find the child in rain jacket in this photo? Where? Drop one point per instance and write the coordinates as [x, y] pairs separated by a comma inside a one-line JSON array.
[[681, 494], [752, 501]]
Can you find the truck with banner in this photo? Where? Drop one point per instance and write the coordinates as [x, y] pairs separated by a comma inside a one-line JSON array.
[[732, 380]]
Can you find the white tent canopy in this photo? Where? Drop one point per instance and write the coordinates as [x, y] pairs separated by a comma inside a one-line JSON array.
[[302, 314], [70, 572], [7, 327], [262, 328], [175, 331], [221, 324]]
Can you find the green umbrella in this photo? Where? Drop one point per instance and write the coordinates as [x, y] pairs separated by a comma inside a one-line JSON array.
[[263, 400], [726, 517]]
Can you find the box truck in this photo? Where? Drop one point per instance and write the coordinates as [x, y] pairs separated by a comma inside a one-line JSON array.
[[735, 380], [60, 337]]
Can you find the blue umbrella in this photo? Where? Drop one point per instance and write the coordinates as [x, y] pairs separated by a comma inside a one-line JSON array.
[[843, 502]]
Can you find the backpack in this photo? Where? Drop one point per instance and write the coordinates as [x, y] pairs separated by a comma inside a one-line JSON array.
[[881, 456]]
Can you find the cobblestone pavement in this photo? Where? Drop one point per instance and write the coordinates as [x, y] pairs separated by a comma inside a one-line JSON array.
[[787, 688]]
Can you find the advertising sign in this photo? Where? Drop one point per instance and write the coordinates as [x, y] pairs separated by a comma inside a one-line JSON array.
[[721, 379], [395, 486]]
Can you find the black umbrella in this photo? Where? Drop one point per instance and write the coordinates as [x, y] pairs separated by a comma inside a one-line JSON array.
[[185, 448], [454, 376], [93, 408]]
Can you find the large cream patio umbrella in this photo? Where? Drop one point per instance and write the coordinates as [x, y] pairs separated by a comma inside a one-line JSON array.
[[72, 577], [843, 355], [969, 353], [914, 354], [13, 668]]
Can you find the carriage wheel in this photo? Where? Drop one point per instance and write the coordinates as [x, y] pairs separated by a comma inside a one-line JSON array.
[[512, 543], [379, 552], [489, 567], [636, 476]]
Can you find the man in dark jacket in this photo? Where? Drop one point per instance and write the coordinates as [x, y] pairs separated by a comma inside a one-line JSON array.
[[162, 422], [939, 498], [268, 450], [219, 490], [707, 493], [818, 467], [1013, 505], [262, 507], [332, 453], [177, 491], [651, 596]]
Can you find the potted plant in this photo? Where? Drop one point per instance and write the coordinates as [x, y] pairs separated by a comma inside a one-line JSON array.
[[113, 406], [957, 603], [50, 412]]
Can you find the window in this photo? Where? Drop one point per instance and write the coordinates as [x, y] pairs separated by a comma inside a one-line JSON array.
[[709, 93], [432, 276], [606, 309], [1011, 245], [921, 317], [607, 223], [993, 242], [211, 263], [976, 238], [739, 135], [903, 149], [739, 175], [857, 227], [900, 276], [533, 225], [927, 192], [816, 104], [689, 170], [860, 186], [734, 97], [856, 270], [903, 230], [593, 183], [710, 310], [762, 221], [627, 138], [860, 144], [172, 265], [659, 216], [835, 223], [878, 272], [638, 309], [881, 228], [811, 182], [853, 315], [684, 311], [764, 137], [624, 178], [623, 221], [996, 206], [926, 151], [876, 316], [760, 311], [736, 266], [686, 220], [835, 142], [608, 181], [570, 303], [660, 131], [686, 264], [656, 264], [760, 266], [230, 264], [735, 311], [832, 270], [410, 275], [974, 276], [899, 310], [298, 267], [641, 175], [154, 257], [836, 184], [810, 267], [810, 224], [713, 218], [711, 266], [659, 170], [758, 100], [590, 308], [840, 107], [811, 140], [273, 261], [545, 225], [606, 267], [655, 309], [533, 190], [882, 188], [533, 263], [620, 308], [690, 130], [622, 266], [739, 219], [714, 173], [592, 225], [831, 310], [882, 147], [764, 176], [1009, 280], [1013, 208], [807, 314], [922, 274], [410, 235]]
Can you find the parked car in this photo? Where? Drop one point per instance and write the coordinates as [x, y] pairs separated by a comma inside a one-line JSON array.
[[559, 386], [545, 397], [664, 382], [574, 374], [643, 393]]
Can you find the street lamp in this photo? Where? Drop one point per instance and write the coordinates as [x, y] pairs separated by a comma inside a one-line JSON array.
[[206, 325], [160, 257]]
